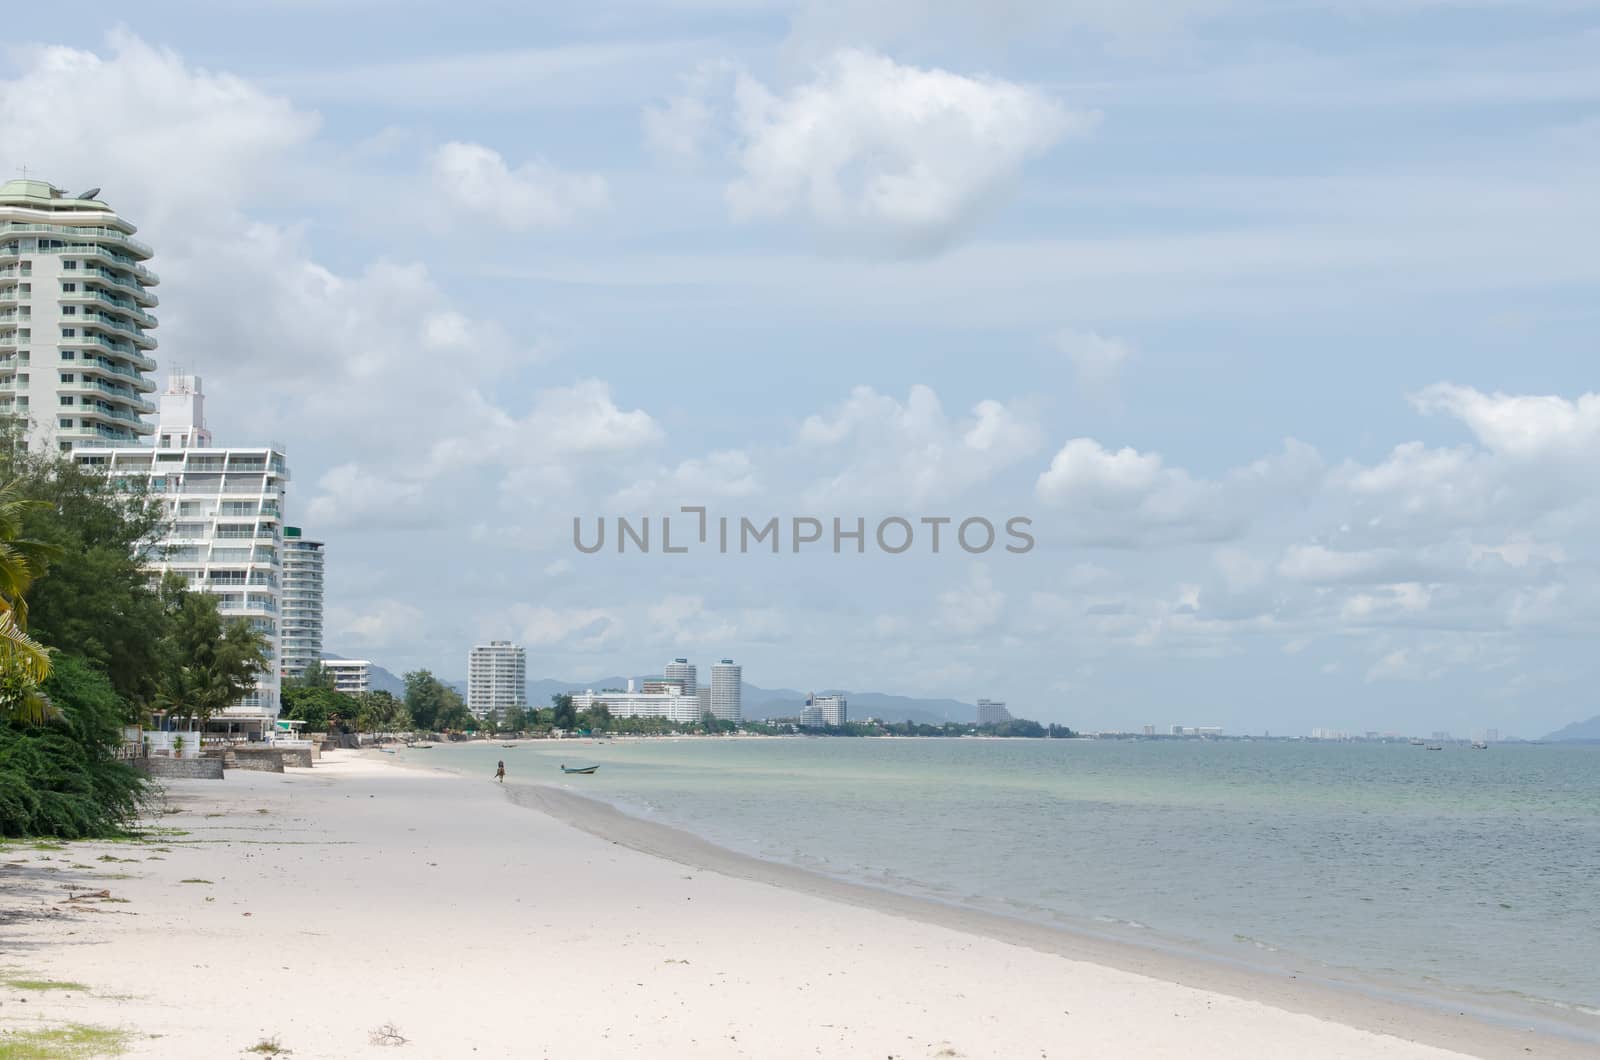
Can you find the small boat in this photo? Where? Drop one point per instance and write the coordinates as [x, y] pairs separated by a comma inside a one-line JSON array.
[[1434, 747], [582, 770], [508, 746], [1479, 745]]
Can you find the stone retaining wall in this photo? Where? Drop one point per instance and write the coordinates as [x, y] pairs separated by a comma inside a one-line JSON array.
[[262, 761], [297, 756], [164, 768]]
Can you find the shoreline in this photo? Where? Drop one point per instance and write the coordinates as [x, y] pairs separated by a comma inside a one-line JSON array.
[[314, 908], [1412, 1017]]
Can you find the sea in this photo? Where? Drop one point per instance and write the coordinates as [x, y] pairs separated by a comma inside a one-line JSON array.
[[1463, 879]]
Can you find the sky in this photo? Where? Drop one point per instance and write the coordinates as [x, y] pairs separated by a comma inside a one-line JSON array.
[[1276, 320]]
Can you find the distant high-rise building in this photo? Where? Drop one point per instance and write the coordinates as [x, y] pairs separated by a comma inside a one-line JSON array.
[[992, 712], [829, 710], [497, 677], [300, 622], [726, 691], [702, 697], [350, 676], [75, 326], [666, 701], [684, 672]]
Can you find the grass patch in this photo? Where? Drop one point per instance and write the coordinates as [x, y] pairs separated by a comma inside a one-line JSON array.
[[195, 880], [45, 844], [34, 985], [109, 857], [74, 1041], [269, 1047]]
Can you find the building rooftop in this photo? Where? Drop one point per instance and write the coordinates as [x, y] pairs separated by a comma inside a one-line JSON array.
[[44, 194]]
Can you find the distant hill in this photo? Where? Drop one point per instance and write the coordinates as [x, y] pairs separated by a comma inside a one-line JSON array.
[[1578, 730], [761, 703]]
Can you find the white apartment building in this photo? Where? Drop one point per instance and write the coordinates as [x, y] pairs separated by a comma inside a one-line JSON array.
[[350, 676], [75, 323], [497, 677], [300, 623], [683, 671], [992, 712], [727, 693], [824, 710], [669, 703], [226, 537]]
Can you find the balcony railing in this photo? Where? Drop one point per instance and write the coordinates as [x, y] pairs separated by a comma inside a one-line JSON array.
[[96, 231]]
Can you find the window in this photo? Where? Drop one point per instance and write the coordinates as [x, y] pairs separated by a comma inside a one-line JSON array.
[[27, 268], [68, 377], [67, 423], [66, 447], [69, 265], [69, 333], [69, 288], [25, 289], [69, 355], [69, 310], [67, 399]]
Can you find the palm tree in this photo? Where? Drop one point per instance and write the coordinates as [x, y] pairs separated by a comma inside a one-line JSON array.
[[24, 662]]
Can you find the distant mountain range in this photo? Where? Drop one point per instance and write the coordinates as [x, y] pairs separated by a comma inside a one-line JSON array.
[[1577, 731]]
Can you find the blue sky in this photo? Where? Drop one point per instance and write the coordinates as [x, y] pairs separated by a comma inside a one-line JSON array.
[[1277, 319]]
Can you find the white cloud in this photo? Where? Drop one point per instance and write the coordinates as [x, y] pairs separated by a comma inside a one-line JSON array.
[[477, 180], [1099, 359], [871, 148], [911, 451], [971, 608]]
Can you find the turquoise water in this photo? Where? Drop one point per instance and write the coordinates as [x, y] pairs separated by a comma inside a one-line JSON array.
[[1471, 878]]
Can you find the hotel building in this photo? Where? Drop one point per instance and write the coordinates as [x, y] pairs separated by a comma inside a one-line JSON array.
[[633, 702], [727, 691], [225, 536], [497, 677], [300, 624], [683, 671], [992, 712], [822, 711], [350, 676], [75, 323]]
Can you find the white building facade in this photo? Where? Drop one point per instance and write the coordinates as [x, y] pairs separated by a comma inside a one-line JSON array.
[[824, 710], [669, 703], [350, 676], [727, 679], [300, 622], [497, 677], [226, 532], [992, 712], [683, 671], [75, 323]]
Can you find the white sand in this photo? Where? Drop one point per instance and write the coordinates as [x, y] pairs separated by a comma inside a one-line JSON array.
[[367, 894]]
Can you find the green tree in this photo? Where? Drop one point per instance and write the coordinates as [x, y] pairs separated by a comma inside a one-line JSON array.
[[425, 699], [379, 711], [516, 720], [563, 714], [315, 675], [317, 707], [209, 663]]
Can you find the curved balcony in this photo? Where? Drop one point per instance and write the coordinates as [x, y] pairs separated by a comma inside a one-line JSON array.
[[93, 389], [112, 416], [121, 283], [98, 319], [115, 373], [124, 350], [142, 249], [97, 297]]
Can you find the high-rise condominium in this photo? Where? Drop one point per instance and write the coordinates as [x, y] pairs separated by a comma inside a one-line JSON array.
[[225, 534], [300, 623], [726, 693], [992, 712], [75, 323], [497, 677], [683, 671]]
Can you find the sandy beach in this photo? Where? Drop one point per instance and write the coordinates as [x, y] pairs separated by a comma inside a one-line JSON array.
[[312, 909]]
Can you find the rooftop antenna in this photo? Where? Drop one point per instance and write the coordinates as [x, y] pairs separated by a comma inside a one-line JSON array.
[[92, 193], [23, 169]]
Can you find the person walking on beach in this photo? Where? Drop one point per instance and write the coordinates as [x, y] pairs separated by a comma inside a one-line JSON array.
[[500, 771]]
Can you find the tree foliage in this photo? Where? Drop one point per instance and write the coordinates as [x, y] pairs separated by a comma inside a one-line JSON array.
[[207, 664]]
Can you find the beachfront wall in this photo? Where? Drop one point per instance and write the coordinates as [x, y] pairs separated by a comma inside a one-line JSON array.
[[166, 768]]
